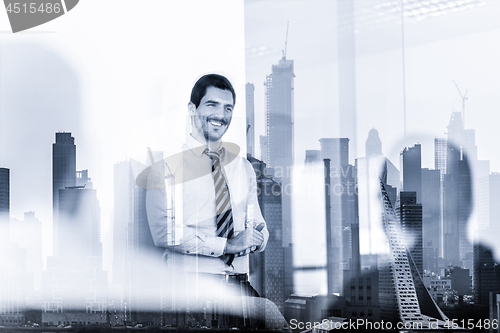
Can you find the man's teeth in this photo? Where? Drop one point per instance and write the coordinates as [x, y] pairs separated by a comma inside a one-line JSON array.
[[215, 123]]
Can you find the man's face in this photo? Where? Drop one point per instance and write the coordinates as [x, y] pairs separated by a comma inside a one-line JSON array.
[[214, 114]]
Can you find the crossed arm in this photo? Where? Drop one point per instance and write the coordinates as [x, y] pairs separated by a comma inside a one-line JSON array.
[[193, 240]]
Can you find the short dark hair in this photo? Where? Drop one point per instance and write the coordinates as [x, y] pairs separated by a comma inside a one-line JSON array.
[[210, 80]]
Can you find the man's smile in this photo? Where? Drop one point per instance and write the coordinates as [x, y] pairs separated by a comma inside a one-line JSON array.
[[216, 122]]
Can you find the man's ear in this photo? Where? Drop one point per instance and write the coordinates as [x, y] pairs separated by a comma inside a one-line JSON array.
[[191, 109]]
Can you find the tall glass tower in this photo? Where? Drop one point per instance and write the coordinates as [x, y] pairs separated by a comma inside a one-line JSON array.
[[4, 194], [63, 173], [279, 155], [250, 112], [279, 117]]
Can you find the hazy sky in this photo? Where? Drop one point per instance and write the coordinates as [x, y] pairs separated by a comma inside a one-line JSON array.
[[463, 46], [118, 79]]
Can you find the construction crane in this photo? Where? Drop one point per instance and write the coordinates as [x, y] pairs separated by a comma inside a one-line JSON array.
[[464, 98], [286, 40]]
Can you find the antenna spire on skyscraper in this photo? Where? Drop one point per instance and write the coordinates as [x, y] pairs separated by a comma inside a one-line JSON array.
[[286, 40], [464, 98]]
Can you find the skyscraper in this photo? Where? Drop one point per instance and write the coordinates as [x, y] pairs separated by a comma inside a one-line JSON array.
[[457, 208], [462, 137], [335, 149], [250, 111], [4, 195], [63, 174], [373, 144], [486, 278], [280, 144], [268, 268], [411, 176], [279, 116], [312, 156], [13, 286], [342, 208], [398, 298], [440, 149], [263, 148], [410, 214], [27, 235], [123, 218], [431, 218], [83, 179], [461, 158], [494, 194], [79, 223], [403, 296], [133, 246]]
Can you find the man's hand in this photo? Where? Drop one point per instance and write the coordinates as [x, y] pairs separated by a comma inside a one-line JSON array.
[[245, 240]]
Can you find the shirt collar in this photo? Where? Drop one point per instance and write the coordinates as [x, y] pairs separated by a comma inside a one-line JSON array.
[[198, 148]]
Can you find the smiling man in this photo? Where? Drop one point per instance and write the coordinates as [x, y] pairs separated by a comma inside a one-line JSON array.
[[212, 114], [217, 222]]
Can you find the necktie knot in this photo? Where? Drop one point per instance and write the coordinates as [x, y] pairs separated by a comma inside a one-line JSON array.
[[218, 154]]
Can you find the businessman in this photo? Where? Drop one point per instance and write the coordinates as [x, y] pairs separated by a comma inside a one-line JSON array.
[[202, 205]]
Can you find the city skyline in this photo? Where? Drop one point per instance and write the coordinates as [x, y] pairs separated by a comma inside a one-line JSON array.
[[336, 149], [74, 111], [441, 170], [320, 156]]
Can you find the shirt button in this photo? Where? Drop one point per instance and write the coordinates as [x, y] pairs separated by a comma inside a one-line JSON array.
[[187, 251], [212, 253]]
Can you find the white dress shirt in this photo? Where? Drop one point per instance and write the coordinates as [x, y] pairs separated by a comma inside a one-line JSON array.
[[190, 239]]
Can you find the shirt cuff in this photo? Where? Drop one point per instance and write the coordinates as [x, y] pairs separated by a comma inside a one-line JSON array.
[[214, 246]]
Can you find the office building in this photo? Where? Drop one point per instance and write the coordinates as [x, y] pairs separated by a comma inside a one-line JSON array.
[[462, 137], [83, 179], [373, 144], [4, 195], [361, 283], [27, 235], [74, 292], [494, 195], [440, 154], [15, 286], [457, 201], [342, 208], [279, 115], [486, 279], [267, 268], [63, 174], [431, 218], [136, 260], [4, 207], [79, 223], [279, 154], [309, 308], [250, 113], [335, 149], [263, 148], [313, 156], [411, 174], [410, 214], [361, 292], [144, 261], [400, 280], [123, 203], [455, 157]]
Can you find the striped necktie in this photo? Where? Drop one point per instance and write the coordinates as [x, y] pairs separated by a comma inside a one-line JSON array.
[[224, 215]]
